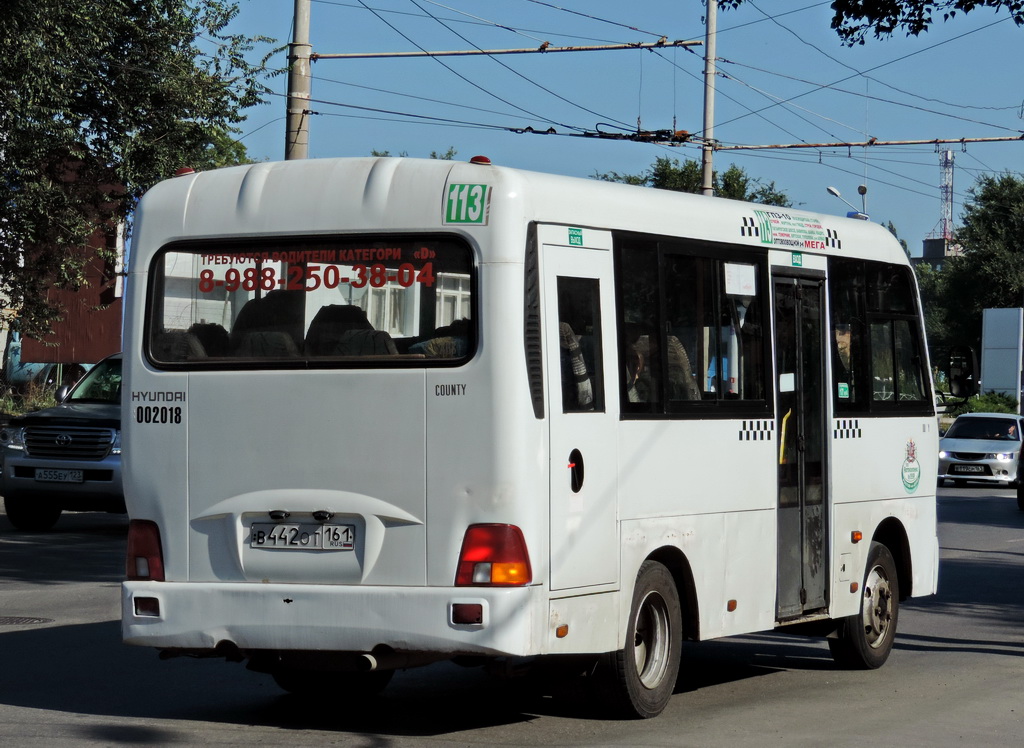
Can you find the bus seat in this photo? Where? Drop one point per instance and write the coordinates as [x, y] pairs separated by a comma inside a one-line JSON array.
[[364, 343], [266, 344], [177, 345], [213, 337], [577, 389], [330, 324], [280, 310], [682, 383]]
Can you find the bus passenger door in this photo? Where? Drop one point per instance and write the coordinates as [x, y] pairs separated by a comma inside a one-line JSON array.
[[579, 361], [802, 516]]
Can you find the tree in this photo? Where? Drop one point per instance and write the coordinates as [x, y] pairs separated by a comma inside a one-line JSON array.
[[448, 155], [99, 100], [990, 271], [669, 174], [854, 19]]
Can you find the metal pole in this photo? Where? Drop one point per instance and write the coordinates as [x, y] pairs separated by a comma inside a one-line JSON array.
[[707, 169], [296, 144]]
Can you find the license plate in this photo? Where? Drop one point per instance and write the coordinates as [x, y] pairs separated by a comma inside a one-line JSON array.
[[49, 475], [310, 537], [968, 468]]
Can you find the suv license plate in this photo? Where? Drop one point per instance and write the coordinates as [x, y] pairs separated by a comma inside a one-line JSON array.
[[309, 537], [49, 475]]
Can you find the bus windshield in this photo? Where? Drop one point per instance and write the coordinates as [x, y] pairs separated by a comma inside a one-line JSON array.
[[366, 301]]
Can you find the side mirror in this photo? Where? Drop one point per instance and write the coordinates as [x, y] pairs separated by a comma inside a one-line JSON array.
[[63, 392], [962, 371]]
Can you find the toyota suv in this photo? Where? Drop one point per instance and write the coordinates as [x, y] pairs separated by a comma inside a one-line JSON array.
[[67, 457]]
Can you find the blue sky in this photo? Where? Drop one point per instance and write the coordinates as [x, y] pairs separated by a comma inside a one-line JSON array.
[[786, 79]]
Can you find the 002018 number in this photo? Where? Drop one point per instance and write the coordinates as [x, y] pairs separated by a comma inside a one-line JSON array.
[[158, 414]]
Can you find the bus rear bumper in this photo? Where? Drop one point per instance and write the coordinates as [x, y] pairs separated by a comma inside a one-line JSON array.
[[212, 618]]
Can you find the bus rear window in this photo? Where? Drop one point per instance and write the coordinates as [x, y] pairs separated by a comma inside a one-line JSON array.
[[363, 301]]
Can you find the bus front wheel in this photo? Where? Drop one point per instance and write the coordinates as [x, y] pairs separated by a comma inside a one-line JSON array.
[[865, 640], [638, 680]]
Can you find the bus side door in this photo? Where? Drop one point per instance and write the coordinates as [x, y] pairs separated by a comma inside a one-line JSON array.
[[802, 509], [580, 356]]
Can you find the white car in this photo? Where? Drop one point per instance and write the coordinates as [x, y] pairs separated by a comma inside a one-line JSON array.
[[982, 447]]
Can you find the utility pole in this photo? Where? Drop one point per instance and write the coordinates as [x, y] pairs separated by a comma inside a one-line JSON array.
[[296, 144], [710, 33]]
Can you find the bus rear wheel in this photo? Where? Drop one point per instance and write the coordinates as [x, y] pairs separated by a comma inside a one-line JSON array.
[[866, 639], [638, 680]]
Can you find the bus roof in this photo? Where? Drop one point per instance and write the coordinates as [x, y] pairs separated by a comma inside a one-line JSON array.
[[335, 195]]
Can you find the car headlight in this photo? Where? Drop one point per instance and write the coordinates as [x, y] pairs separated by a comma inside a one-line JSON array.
[[13, 437], [943, 454], [1001, 456]]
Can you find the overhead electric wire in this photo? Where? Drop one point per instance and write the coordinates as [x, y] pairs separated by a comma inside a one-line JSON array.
[[879, 66], [593, 18], [831, 87], [523, 32], [517, 73], [447, 67]]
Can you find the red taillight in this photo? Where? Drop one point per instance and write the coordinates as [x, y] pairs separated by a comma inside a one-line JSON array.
[[494, 555], [145, 555]]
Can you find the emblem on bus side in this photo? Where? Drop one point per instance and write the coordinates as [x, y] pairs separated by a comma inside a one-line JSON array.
[[911, 468]]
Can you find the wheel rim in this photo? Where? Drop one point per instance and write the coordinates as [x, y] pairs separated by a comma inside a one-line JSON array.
[[651, 640], [876, 611]]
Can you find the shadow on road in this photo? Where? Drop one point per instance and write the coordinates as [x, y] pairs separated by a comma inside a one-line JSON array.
[[82, 547]]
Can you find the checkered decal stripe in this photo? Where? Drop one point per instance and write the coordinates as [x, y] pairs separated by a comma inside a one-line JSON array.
[[832, 239], [847, 429], [757, 431], [749, 227]]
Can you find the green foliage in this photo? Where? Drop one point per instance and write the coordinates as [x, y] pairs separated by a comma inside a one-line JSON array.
[[671, 174], [36, 397], [853, 20], [990, 271], [448, 155], [990, 402], [99, 100]]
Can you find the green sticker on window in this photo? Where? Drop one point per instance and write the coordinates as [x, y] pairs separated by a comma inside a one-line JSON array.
[[467, 203], [844, 391]]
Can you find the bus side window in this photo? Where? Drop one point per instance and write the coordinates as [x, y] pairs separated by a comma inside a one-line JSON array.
[[580, 345], [877, 355]]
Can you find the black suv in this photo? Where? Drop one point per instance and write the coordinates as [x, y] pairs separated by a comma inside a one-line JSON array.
[[68, 456]]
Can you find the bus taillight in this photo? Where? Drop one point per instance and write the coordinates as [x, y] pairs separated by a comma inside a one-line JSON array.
[[494, 555], [145, 554]]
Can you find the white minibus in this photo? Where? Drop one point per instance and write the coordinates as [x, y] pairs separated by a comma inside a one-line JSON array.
[[383, 412]]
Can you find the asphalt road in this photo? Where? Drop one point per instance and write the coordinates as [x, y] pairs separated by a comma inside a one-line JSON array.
[[954, 678]]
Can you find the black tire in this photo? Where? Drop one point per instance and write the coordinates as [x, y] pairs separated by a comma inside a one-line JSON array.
[[31, 515], [333, 685], [638, 680], [866, 639]]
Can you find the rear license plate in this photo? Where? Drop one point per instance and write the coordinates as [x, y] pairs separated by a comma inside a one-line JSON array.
[[310, 537], [49, 475], [968, 468]]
